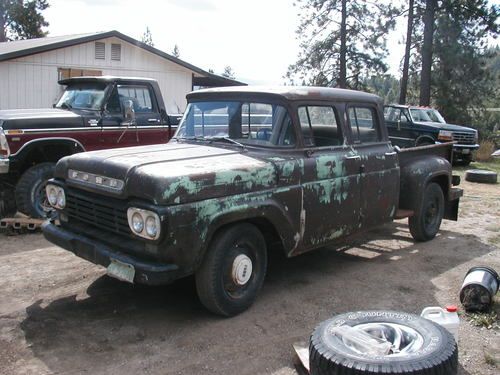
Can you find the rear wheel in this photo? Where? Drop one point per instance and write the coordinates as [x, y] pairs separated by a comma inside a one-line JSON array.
[[233, 270], [425, 224], [31, 198]]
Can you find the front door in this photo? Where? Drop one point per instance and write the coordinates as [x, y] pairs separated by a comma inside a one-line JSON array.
[[399, 127], [379, 169]]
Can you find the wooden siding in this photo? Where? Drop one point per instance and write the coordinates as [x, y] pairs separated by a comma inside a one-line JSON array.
[[31, 81]]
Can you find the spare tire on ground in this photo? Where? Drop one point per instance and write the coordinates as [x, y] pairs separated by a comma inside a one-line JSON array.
[[418, 346], [481, 175]]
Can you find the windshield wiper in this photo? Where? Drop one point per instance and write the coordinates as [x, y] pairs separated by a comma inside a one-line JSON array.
[[226, 139]]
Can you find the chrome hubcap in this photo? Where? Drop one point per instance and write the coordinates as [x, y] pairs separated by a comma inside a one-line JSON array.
[[242, 269]]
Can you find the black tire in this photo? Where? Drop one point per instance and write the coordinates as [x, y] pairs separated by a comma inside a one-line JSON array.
[[30, 190], [217, 288], [7, 202], [481, 175], [436, 354], [425, 222]]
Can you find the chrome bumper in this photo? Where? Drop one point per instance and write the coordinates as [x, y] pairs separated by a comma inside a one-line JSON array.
[[4, 166]]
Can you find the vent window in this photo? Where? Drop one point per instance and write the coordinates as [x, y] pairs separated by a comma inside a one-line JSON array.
[[116, 52], [100, 50]]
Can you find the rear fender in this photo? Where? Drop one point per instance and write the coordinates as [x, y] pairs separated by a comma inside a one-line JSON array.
[[415, 176]]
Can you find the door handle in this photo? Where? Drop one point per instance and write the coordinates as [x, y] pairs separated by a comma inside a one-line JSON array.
[[353, 157], [390, 153], [152, 120]]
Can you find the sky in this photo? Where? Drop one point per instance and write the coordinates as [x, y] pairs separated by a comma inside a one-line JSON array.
[[256, 38]]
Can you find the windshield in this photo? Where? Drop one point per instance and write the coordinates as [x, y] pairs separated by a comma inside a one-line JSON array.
[[426, 115], [251, 123], [82, 96]]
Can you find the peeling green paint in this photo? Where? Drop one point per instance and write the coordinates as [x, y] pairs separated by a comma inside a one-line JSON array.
[[329, 167]]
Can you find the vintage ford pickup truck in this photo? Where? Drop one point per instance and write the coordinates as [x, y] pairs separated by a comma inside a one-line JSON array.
[[88, 116], [248, 171]]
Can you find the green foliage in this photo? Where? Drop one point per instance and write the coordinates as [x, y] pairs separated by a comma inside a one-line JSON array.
[[461, 79], [147, 38], [320, 59], [385, 86], [22, 19]]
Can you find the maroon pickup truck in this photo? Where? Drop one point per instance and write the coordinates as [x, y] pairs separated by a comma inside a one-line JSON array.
[[90, 115]]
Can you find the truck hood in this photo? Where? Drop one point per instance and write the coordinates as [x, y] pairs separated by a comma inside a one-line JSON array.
[[171, 173], [450, 127], [38, 118]]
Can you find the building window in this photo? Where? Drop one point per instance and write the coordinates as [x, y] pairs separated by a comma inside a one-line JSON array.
[[100, 50], [116, 52]]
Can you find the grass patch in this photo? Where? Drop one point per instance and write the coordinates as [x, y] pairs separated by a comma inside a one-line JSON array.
[[486, 320], [493, 165], [490, 360]]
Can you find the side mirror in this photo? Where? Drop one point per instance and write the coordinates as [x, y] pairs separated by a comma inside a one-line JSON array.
[[128, 111]]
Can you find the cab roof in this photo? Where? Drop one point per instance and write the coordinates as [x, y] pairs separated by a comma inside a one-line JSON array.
[[103, 79], [293, 93]]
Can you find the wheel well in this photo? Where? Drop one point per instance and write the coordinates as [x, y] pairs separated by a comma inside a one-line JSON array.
[[442, 181], [423, 140], [266, 227], [44, 153]]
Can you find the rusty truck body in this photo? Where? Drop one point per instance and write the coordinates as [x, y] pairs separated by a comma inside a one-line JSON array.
[[248, 170]]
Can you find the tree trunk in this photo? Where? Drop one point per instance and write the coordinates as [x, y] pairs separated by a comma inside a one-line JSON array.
[[3, 12], [342, 82], [406, 63], [425, 75]]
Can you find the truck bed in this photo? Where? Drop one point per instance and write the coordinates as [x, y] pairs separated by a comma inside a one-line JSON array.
[[408, 155]]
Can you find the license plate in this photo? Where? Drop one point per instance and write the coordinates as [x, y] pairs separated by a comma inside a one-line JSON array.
[[465, 151], [121, 271]]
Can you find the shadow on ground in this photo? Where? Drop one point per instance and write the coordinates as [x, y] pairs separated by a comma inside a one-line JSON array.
[[121, 328]]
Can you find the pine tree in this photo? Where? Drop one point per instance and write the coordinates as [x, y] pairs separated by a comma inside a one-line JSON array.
[[22, 19], [228, 72], [147, 38], [342, 42], [176, 52]]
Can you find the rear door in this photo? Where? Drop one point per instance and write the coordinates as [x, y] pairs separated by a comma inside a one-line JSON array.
[[379, 169], [330, 180]]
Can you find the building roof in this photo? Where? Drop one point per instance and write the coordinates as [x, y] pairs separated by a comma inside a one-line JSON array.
[[21, 48], [289, 93]]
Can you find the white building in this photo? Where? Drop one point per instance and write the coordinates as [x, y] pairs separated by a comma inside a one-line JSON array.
[[30, 69]]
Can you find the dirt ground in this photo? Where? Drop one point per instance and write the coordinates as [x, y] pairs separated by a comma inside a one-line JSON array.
[[62, 315]]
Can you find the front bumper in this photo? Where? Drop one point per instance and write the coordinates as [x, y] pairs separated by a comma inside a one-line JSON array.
[[4, 166], [464, 149], [146, 271]]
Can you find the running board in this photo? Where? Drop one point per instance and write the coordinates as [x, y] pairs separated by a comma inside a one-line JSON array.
[[401, 214]]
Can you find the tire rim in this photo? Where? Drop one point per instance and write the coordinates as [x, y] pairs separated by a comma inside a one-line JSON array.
[[404, 340], [241, 270], [431, 213], [42, 205]]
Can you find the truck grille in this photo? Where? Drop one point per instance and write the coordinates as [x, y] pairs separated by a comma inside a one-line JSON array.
[[109, 214], [464, 138]]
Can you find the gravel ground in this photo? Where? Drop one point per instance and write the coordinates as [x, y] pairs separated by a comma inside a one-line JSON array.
[[62, 315]]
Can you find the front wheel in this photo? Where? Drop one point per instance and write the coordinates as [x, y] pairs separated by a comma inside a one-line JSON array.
[[233, 270], [31, 198], [425, 223]]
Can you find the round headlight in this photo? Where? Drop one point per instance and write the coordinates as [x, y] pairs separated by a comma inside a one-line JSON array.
[[52, 195], [61, 199], [137, 223], [151, 226]]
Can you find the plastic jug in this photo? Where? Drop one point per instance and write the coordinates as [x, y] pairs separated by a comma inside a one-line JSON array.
[[448, 318]]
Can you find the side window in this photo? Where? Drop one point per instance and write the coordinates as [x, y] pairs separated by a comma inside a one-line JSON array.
[[266, 123], [140, 96], [364, 125], [319, 126]]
